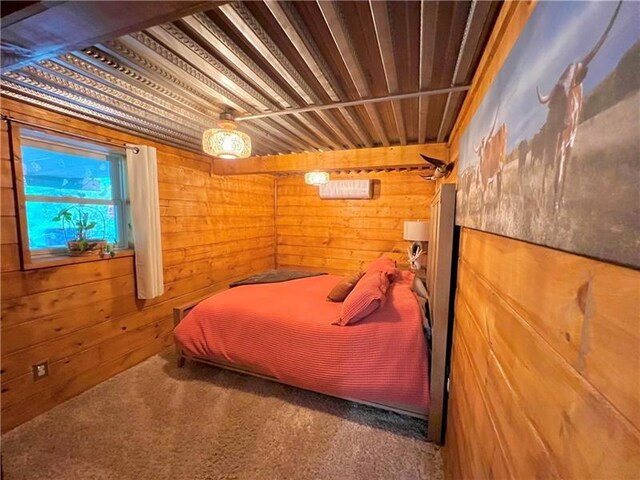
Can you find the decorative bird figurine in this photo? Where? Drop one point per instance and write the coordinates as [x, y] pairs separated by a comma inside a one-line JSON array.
[[442, 169]]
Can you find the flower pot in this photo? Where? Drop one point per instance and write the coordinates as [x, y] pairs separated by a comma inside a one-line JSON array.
[[91, 247]]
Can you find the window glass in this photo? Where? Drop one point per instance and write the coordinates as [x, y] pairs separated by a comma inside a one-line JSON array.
[[45, 232], [58, 174], [83, 181]]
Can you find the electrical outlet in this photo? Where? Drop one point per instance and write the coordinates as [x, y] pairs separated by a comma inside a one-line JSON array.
[[40, 370]]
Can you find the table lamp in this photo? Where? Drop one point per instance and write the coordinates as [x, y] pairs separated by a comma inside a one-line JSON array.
[[416, 231]]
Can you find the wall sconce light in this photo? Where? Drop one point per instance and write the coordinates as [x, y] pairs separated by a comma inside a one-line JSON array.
[[316, 178], [416, 232]]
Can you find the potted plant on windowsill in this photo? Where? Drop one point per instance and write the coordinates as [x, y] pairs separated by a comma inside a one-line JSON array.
[[77, 224]]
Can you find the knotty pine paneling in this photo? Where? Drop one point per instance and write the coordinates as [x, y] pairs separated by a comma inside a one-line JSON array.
[[518, 308], [84, 318], [342, 236]]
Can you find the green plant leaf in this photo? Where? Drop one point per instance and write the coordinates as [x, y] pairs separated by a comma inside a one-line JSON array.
[[83, 244]]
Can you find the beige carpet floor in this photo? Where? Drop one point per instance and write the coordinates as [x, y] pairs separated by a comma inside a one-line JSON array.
[[156, 421]]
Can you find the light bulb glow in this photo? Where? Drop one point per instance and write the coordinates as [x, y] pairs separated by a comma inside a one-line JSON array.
[[226, 143], [316, 178]]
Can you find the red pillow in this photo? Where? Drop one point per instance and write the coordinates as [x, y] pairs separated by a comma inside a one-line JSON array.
[[367, 296], [405, 277], [383, 264]]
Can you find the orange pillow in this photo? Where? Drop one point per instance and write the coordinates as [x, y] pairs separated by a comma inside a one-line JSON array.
[[343, 288], [383, 264], [367, 296]]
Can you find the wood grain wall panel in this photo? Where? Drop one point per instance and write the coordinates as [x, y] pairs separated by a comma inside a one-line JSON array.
[[84, 318], [31, 282], [34, 405], [18, 388], [378, 157], [561, 403], [8, 230], [576, 310], [550, 338], [487, 458], [342, 236], [7, 202], [6, 180]]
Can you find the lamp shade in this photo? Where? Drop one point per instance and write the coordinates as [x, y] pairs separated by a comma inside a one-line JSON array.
[[226, 143], [416, 231], [316, 178]]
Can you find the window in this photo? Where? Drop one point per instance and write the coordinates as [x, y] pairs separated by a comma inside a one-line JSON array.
[[61, 173]]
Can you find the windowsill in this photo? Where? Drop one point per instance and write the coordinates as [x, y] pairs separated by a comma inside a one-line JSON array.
[[56, 261]]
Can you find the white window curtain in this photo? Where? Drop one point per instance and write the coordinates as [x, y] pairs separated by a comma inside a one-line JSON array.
[[142, 170]]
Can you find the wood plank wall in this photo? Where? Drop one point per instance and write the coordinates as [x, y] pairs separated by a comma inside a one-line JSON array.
[[342, 236], [84, 318], [545, 378], [545, 364]]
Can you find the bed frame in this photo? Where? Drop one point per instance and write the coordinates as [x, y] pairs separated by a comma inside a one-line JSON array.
[[180, 312], [438, 278], [442, 255]]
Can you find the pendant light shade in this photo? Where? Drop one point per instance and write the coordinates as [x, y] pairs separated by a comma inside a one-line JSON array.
[[316, 178], [225, 141]]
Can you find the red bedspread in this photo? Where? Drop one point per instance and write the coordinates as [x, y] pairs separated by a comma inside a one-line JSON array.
[[285, 330]]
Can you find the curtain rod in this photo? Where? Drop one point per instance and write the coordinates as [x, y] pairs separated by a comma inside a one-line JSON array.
[[8, 119]]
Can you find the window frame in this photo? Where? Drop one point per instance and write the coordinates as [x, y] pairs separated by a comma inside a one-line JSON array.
[[45, 257]]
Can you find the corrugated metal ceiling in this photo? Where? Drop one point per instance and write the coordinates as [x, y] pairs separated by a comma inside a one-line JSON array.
[[171, 81]]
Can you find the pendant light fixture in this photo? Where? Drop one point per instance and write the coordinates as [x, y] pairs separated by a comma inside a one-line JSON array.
[[316, 178], [225, 141]]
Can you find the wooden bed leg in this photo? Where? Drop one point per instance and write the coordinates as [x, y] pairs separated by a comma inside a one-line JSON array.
[[181, 360], [178, 314]]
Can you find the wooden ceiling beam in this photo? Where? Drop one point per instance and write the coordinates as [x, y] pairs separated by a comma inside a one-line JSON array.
[[173, 88], [32, 96], [101, 66], [333, 18], [463, 44], [380, 15], [213, 35], [120, 106], [60, 27], [428, 15], [256, 35], [227, 80], [67, 66], [313, 67], [121, 62], [213, 82], [287, 18], [407, 156]]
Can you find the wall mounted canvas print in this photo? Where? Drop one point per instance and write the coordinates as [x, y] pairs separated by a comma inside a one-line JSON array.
[[552, 155]]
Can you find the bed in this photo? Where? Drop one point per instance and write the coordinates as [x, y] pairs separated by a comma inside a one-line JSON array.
[[383, 360], [284, 331]]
